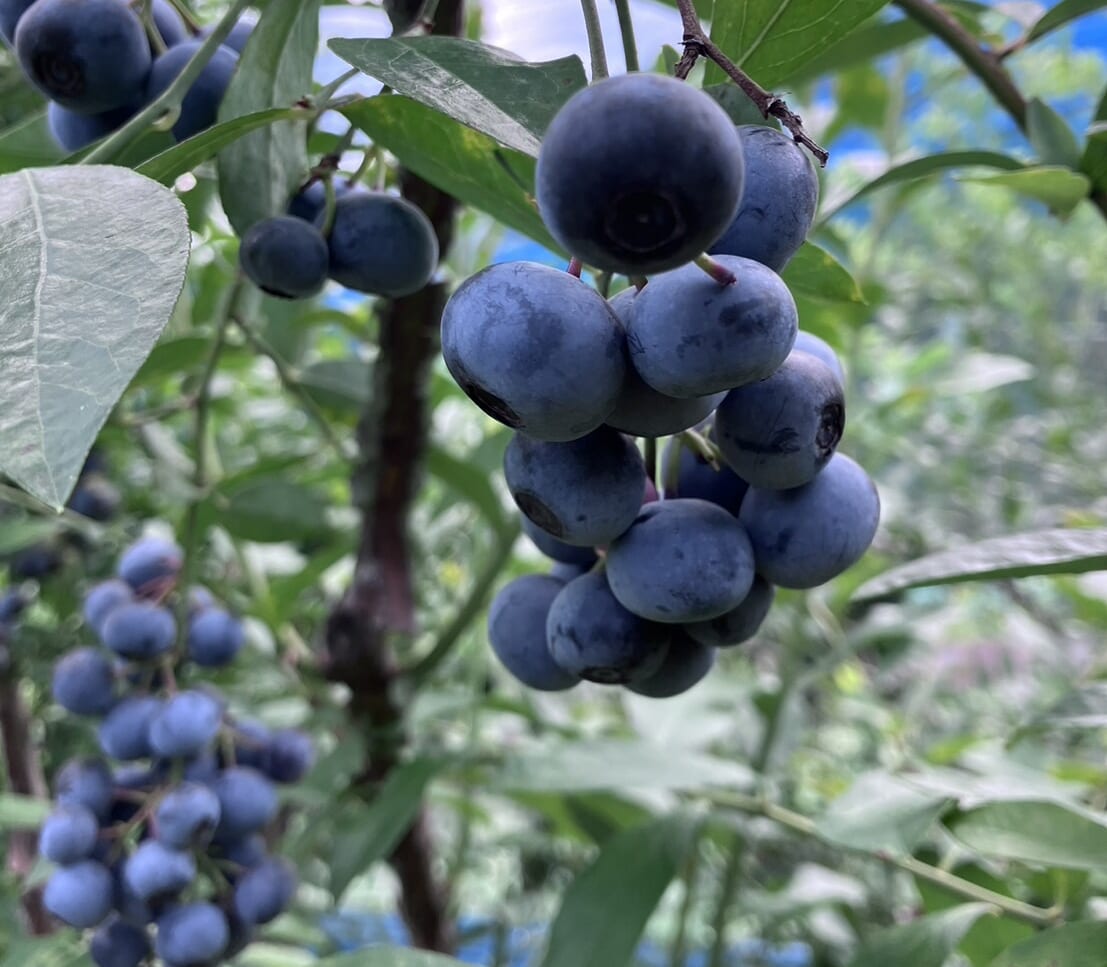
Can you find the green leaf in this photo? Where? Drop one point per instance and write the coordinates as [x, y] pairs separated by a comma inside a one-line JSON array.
[[469, 482], [1061, 14], [617, 765], [1071, 945], [389, 957], [456, 159], [169, 165], [769, 39], [1060, 188], [271, 509], [1094, 161], [28, 144], [482, 87], [815, 273], [882, 812], [1051, 136], [94, 261], [1050, 833], [862, 46], [22, 812], [337, 384], [926, 942], [924, 168], [259, 172], [377, 828], [606, 908], [1059, 551]]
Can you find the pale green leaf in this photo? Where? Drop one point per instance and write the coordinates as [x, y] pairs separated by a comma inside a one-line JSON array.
[[882, 812], [1071, 945], [1051, 135], [1059, 188], [926, 942], [815, 273], [1049, 833], [1062, 13]]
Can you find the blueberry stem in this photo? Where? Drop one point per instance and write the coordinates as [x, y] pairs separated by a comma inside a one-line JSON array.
[[650, 457], [171, 99], [716, 270], [626, 28], [193, 25], [697, 43], [146, 15], [575, 267], [595, 39], [702, 447]]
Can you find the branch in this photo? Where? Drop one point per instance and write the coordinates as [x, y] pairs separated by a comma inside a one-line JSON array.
[[697, 43]]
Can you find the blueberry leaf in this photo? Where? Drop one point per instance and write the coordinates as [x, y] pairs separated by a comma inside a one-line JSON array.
[[926, 942], [1071, 945], [94, 260]]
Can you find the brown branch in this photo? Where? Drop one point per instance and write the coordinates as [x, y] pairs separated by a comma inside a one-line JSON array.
[[698, 44], [392, 435], [25, 777]]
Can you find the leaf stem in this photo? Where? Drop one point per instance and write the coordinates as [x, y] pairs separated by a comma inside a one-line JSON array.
[[171, 99], [702, 447], [194, 26], [595, 39], [626, 28], [697, 43], [1016, 909]]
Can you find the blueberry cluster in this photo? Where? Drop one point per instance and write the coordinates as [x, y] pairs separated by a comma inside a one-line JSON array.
[[639, 175], [374, 242], [159, 842], [96, 62]]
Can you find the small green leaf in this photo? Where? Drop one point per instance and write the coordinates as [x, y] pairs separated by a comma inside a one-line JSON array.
[[1061, 14], [337, 384], [815, 273], [482, 87], [376, 829], [1071, 945], [1049, 833], [1060, 188], [769, 39], [460, 161], [22, 812], [28, 144], [1094, 161], [924, 168], [882, 812], [606, 908], [1051, 135], [94, 261], [926, 942], [863, 46], [1059, 551], [258, 173]]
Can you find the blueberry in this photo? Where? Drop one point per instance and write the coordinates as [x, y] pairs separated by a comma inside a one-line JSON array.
[[807, 342], [84, 682], [517, 632], [380, 244], [247, 801], [291, 756], [79, 895], [690, 336], [200, 107], [34, 563], [85, 782], [683, 560], [169, 23], [193, 935], [73, 132], [285, 257], [149, 562], [806, 536], [88, 55], [697, 478], [780, 432], [119, 944], [639, 173], [779, 198], [10, 12], [12, 604], [203, 768], [125, 733], [199, 599], [186, 725], [566, 572], [740, 623], [557, 550], [187, 816], [592, 636], [68, 835], [252, 741], [95, 498], [247, 852], [584, 492], [102, 599], [536, 349], [310, 202], [140, 631], [155, 872], [236, 39], [264, 892], [686, 663], [214, 638]]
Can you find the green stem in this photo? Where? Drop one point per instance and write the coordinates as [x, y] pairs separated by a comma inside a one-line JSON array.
[[798, 823], [324, 94], [595, 39], [678, 951], [626, 28], [111, 146], [194, 26], [471, 608], [650, 458], [703, 447], [727, 889], [292, 384]]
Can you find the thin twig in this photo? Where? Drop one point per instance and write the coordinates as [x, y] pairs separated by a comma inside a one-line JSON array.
[[626, 28], [698, 44], [595, 39]]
